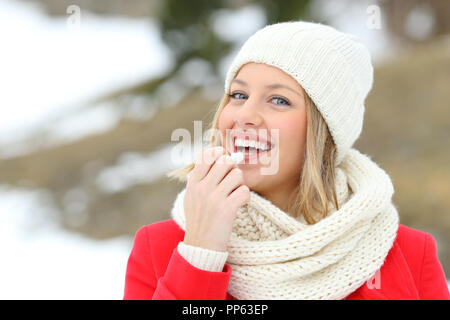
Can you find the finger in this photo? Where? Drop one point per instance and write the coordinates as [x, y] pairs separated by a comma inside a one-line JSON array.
[[233, 180], [239, 197], [219, 170], [204, 162]]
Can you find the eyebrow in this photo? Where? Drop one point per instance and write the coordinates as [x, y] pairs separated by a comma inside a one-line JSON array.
[[271, 86]]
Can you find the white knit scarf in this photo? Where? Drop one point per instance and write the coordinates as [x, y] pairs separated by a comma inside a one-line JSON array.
[[275, 256]]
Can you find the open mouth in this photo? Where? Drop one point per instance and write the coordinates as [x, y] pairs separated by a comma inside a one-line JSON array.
[[251, 149]]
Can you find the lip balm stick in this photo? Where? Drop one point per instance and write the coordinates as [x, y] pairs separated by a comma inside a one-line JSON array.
[[237, 157]]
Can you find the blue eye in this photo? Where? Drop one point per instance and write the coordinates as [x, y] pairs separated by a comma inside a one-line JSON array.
[[286, 103], [232, 95]]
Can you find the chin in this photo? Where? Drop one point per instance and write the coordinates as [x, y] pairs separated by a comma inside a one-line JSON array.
[[253, 179]]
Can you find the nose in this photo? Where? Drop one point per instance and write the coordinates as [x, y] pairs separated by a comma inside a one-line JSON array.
[[248, 115]]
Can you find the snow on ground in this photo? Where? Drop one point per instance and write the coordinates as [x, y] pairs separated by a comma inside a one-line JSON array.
[[137, 168], [41, 261]]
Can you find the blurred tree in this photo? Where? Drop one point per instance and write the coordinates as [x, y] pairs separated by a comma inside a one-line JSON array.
[[412, 21], [277, 11], [187, 29]]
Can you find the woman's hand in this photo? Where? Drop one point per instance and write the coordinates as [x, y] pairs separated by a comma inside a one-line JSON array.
[[215, 191]]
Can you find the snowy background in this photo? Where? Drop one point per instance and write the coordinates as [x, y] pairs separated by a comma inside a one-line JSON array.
[[41, 260]]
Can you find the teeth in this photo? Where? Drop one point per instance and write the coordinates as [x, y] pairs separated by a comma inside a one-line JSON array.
[[251, 143]]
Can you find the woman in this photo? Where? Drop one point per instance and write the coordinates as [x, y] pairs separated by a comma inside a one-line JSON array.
[[315, 221]]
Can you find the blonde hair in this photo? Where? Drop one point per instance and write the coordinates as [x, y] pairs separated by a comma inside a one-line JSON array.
[[316, 187]]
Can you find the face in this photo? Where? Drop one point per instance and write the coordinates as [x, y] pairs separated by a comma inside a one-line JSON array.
[[265, 99]]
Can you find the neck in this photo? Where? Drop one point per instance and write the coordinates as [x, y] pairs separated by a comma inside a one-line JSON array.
[[280, 195]]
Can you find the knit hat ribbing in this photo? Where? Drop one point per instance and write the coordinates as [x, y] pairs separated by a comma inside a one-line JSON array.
[[333, 67]]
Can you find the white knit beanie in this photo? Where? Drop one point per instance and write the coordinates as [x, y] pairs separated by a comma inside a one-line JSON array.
[[334, 68]]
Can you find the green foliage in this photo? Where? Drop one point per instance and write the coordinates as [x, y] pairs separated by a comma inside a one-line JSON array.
[[187, 30], [278, 11]]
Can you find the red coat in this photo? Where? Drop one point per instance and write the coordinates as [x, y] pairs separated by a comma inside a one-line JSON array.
[[157, 271]]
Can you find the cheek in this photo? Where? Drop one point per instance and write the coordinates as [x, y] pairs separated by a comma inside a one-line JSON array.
[[293, 138], [225, 121]]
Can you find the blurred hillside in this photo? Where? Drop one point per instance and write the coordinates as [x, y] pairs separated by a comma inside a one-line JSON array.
[[407, 131]]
